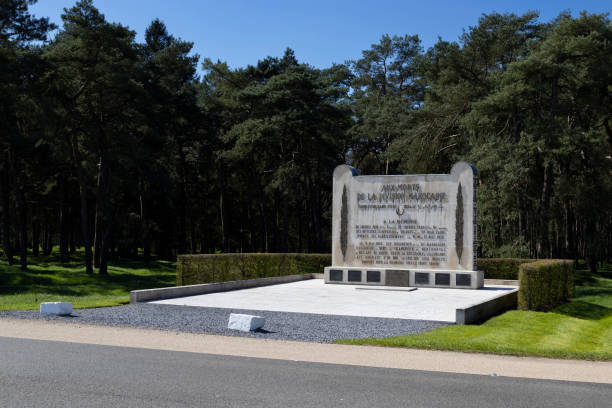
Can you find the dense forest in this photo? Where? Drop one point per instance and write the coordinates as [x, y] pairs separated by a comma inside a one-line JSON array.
[[122, 149]]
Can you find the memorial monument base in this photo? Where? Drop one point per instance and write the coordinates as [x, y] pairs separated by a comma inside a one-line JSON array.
[[427, 278]]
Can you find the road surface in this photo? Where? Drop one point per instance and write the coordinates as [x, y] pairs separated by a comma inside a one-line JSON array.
[[40, 373]]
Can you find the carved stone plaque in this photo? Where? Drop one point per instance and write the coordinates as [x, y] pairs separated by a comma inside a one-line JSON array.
[[419, 222]]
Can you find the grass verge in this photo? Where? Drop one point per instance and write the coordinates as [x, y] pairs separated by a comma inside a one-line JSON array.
[[581, 329], [46, 280]]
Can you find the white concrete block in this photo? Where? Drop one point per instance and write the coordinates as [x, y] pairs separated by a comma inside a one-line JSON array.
[[244, 322], [56, 308]]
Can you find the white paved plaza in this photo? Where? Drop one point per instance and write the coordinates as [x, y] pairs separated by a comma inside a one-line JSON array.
[[314, 296]]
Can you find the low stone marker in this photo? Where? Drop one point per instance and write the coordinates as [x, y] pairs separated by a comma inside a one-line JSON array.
[[245, 322], [56, 308]]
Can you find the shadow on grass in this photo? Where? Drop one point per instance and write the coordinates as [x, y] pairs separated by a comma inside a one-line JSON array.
[[139, 264], [583, 277], [26, 279], [134, 282], [46, 276], [592, 291], [584, 310], [103, 286]]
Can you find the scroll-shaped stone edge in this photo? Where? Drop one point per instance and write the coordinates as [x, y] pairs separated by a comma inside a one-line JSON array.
[[457, 169], [341, 180], [459, 224], [341, 170], [344, 223]]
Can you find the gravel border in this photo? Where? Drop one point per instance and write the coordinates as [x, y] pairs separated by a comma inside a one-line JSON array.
[[279, 325]]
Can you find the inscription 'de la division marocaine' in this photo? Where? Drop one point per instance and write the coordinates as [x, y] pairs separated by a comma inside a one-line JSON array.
[[406, 221], [398, 240]]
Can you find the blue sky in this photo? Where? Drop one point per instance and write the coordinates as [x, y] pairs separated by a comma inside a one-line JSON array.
[[320, 32]]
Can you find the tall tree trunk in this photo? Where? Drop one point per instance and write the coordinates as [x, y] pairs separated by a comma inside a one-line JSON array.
[[315, 203], [35, 237], [71, 238], [85, 226], [146, 236], [83, 206], [21, 212], [264, 225], [285, 234], [571, 237], [223, 208], [248, 207], [183, 201], [106, 241], [44, 237], [182, 222], [276, 233], [543, 213], [309, 234], [299, 227], [23, 232], [192, 234], [591, 246], [6, 215], [164, 246], [319, 228], [146, 250], [48, 247], [98, 217], [63, 227], [104, 227]]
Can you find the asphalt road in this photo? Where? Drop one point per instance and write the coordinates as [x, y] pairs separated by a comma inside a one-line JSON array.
[[35, 373]]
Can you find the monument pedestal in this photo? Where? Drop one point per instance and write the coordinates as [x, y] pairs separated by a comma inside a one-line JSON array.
[[426, 278]]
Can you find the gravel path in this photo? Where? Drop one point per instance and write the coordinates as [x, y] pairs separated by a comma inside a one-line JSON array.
[[279, 325]]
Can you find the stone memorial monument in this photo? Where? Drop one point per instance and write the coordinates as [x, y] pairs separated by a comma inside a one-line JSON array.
[[406, 230]]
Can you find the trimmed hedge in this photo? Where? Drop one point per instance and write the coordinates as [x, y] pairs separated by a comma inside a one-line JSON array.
[[545, 284], [501, 268], [195, 269]]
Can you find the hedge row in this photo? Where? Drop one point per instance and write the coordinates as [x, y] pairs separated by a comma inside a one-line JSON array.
[[545, 284], [501, 268], [194, 269]]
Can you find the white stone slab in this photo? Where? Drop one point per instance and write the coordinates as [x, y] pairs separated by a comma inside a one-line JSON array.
[[314, 296], [244, 322], [56, 308]]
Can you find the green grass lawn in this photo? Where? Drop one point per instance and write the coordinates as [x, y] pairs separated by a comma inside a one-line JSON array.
[[48, 281], [580, 329]]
